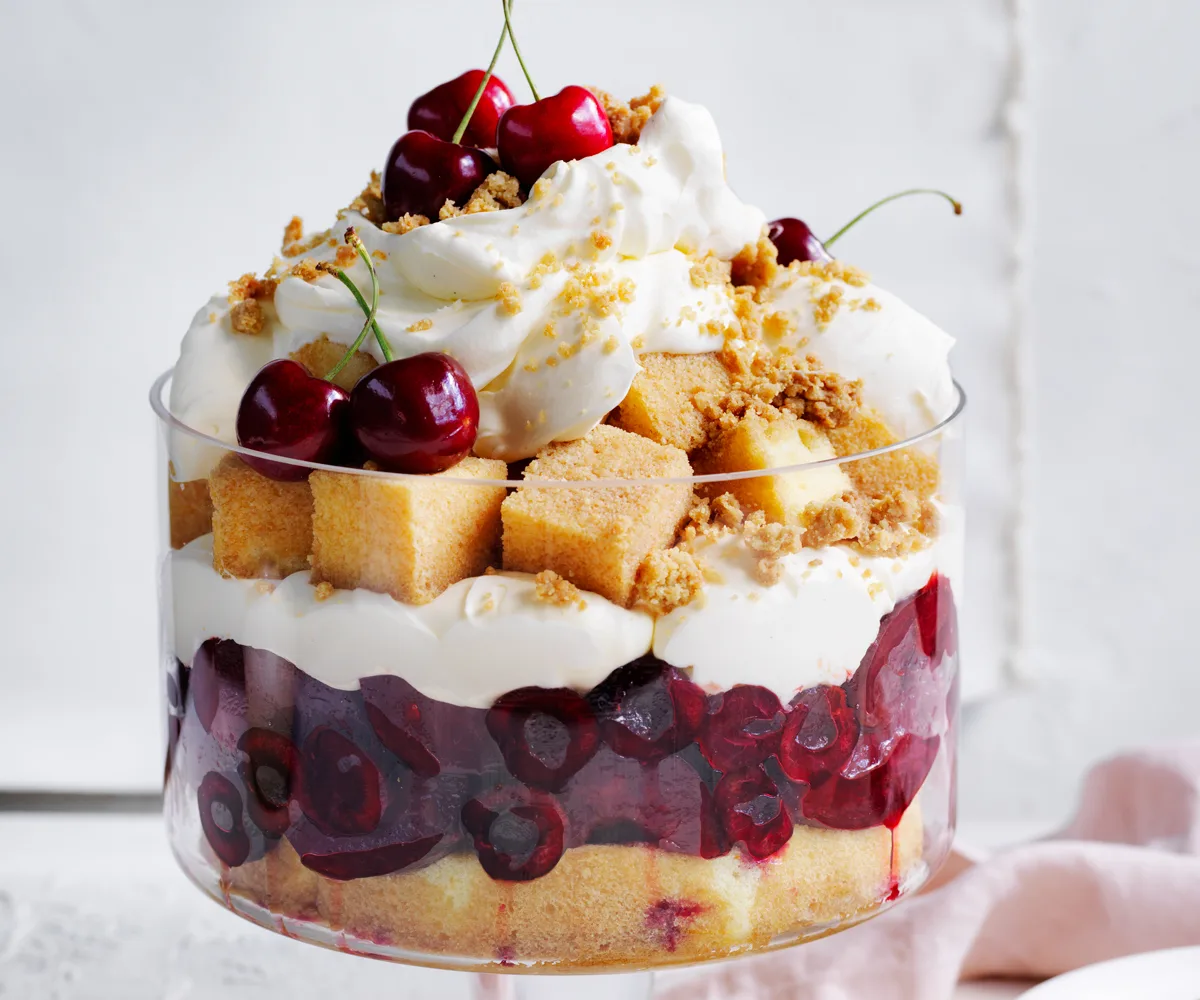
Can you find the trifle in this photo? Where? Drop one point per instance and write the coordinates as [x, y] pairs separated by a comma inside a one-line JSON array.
[[562, 559]]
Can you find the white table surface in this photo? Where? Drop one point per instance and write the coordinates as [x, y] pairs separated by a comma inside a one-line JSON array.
[[92, 907]]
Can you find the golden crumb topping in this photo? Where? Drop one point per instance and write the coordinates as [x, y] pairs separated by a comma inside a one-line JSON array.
[[250, 287], [248, 317], [369, 204], [550, 588], [323, 591], [710, 270], [628, 119], [293, 231], [509, 298], [405, 224], [756, 265], [667, 579]]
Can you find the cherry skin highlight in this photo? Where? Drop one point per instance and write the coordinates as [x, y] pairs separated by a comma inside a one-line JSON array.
[[422, 172], [568, 126], [286, 411], [418, 414], [795, 241], [439, 111]]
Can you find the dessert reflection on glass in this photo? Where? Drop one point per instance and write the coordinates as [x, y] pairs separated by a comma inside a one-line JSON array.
[[562, 561]]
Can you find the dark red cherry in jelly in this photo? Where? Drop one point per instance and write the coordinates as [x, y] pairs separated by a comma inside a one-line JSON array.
[[218, 674], [818, 736], [795, 241], [545, 734], [518, 835], [345, 864], [877, 796], [648, 710], [742, 728], [418, 414], [753, 813], [936, 619], [422, 172], [268, 772], [426, 734], [339, 784], [568, 126], [220, 808], [440, 110], [286, 411]]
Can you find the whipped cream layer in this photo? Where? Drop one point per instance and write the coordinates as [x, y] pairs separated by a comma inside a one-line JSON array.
[[625, 225], [490, 634], [862, 332]]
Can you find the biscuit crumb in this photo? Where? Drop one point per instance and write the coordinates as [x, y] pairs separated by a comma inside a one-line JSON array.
[[509, 298], [628, 119], [323, 591], [293, 231], [601, 241], [250, 287], [419, 325], [265, 587], [405, 224], [710, 270], [488, 603], [668, 579], [550, 588], [756, 265], [248, 317], [369, 203]]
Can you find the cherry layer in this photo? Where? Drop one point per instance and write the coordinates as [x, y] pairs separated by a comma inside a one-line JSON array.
[[439, 111], [423, 172], [567, 126], [377, 780], [795, 241], [417, 414], [288, 412]]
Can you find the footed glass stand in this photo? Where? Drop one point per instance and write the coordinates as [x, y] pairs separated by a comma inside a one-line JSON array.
[[626, 986]]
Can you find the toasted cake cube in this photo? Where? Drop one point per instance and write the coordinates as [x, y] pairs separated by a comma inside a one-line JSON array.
[[661, 403], [190, 510], [261, 528], [756, 442], [597, 537], [411, 538], [320, 355], [883, 475]]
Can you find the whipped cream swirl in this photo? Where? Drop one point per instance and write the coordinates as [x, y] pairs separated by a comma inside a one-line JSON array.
[[545, 305]]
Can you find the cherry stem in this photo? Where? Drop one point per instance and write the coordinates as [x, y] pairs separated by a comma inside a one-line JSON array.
[[507, 5], [370, 311], [462, 125], [955, 204]]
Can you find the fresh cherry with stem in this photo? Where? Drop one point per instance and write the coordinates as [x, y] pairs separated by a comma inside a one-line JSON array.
[[794, 240], [466, 109], [566, 126], [289, 412]]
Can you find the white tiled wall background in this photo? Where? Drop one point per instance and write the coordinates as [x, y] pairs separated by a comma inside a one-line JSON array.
[[153, 150]]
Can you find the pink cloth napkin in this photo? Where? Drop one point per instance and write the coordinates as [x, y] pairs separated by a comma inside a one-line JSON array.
[[1122, 878]]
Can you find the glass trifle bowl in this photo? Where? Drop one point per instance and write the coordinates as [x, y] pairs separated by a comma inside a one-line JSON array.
[[596, 712]]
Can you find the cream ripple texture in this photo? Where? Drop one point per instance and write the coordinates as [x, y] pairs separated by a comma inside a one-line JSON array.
[[490, 634], [655, 207]]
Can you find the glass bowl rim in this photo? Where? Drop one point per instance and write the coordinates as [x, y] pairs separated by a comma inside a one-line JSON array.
[[169, 420]]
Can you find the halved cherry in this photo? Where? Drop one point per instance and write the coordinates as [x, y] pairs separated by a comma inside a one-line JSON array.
[[218, 673], [343, 864], [742, 728], [857, 799], [937, 619], [648, 710], [545, 734], [268, 773], [753, 812], [518, 834], [220, 808], [339, 784], [818, 736]]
